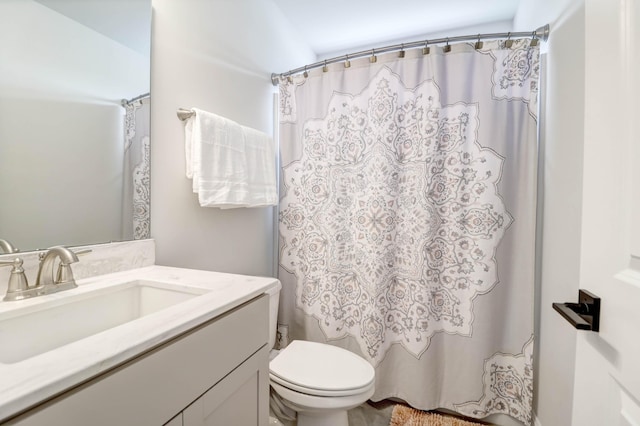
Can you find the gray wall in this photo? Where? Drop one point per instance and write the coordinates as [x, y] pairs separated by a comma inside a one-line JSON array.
[[216, 55]]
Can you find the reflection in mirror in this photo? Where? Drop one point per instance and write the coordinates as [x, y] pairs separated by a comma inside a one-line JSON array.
[[74, 155], [7, 247]]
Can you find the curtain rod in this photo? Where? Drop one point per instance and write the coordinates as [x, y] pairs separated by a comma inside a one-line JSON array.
[[541, 33], [137, 98]]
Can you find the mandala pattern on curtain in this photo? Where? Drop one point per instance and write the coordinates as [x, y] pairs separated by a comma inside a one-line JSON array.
[[287, 100], [391, 218], [516, 73], [139, 178], [407, 221], [141, 198], [508, 387]]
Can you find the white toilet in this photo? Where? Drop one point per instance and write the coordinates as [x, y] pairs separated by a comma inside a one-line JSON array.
[[318, 381]]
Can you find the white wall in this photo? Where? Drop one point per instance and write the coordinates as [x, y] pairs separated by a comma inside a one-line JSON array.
[[217, 56], [562, 131], [61, 127]]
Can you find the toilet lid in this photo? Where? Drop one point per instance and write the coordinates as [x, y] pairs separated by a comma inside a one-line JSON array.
[[317, 366]]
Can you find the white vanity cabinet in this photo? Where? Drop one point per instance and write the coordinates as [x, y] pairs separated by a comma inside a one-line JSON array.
[[215, 374]]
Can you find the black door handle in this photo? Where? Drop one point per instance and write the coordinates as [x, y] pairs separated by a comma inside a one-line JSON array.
[[584, 315]]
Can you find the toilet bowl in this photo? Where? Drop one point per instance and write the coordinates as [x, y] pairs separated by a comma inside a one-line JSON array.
[[319, 382]]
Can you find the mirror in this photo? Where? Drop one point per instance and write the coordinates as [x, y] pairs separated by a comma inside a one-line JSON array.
[[74, 156]]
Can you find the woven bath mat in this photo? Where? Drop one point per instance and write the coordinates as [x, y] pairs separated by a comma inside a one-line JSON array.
[[407, 416]]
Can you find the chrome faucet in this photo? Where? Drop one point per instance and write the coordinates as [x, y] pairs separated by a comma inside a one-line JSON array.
[[64, 278], [46, 283]]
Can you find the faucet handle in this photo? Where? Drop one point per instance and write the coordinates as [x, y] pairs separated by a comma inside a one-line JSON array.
[[18, 284], [83, 251], [42, 254], [65, 274]]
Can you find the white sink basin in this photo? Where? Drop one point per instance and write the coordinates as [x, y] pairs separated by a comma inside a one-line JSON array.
[[34, 330]]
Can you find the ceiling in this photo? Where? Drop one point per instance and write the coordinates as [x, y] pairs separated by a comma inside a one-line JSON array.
[[327, 26], [334, 25], [125, 21]]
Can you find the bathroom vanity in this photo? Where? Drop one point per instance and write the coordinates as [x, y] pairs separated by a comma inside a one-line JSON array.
[[194, 352]]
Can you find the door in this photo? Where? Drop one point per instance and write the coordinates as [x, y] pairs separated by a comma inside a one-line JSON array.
[[607, 375]]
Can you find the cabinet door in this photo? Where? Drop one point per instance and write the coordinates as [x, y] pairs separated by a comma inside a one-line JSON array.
[[240, 399]]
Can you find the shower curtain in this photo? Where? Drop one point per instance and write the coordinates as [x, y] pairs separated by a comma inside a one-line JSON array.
[[136, 185], [407, 221]]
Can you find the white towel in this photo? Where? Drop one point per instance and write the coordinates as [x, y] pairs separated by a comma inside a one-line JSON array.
[[261, 167], [231, 165]]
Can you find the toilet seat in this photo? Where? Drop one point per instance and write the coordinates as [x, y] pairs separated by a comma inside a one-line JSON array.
[[321, 370]]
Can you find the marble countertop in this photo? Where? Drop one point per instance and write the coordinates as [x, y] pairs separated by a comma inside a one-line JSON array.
[[25, 383]]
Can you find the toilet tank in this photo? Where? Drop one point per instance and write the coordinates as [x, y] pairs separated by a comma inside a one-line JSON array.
[[274, 302]]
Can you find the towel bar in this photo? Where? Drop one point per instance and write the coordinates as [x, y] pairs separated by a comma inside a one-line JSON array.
[[184, 114]]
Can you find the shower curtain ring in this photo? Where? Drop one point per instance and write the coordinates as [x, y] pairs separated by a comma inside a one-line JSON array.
[[534, 39], [401, 53], [373, 58], [325, 68], [447, 47], [347, 63], [426, 49], [479, 43], [508, 42], [306, 73]]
